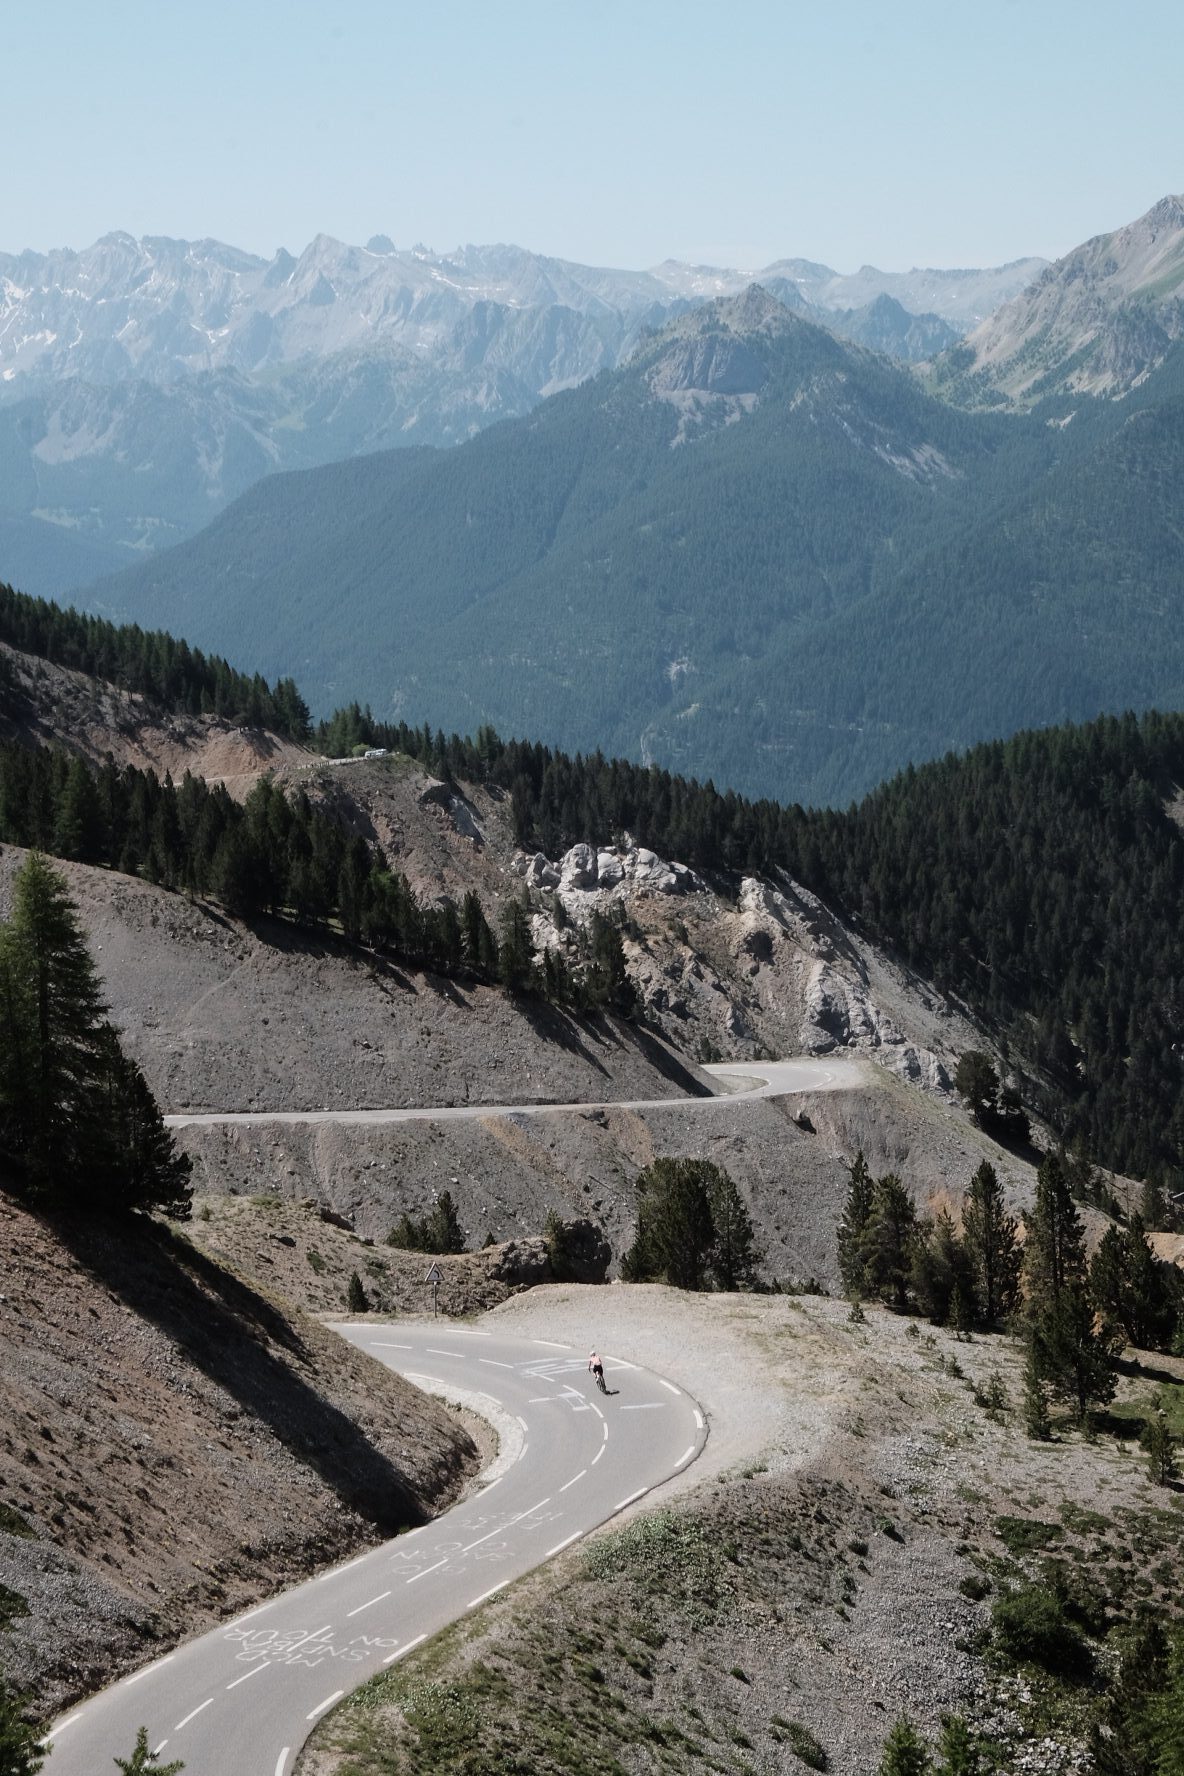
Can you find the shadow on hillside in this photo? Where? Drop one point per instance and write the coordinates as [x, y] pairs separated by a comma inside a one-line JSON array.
[[664, 1060], [319, 944], [551, 1024], [227, 1330]]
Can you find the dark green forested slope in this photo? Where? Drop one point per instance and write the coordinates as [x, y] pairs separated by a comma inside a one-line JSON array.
[[794, 583], [1040, 879]]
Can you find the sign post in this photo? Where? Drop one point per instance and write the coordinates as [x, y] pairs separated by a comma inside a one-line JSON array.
[[435, 1277]]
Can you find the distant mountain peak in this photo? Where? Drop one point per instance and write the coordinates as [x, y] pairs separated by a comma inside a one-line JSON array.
[[1095, 322]]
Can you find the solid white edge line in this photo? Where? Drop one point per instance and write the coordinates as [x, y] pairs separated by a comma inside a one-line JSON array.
[[193, 1716], [574, 1478], [282, 1760], [698, 1419], [632, 1499], [671, 1386], [430, 1569], [349, 1614], [327, 1703], [560, 1546], [68, 1723], [517, 1458], [683, 1459], [262, 1666], [250, 1617], [552, 1344], [404, 1650], [486, 1595], [466, 1332], [522, 1422], [137, 1675]]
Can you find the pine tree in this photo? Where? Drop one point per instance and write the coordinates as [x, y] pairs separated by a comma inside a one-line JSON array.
[[959, 1755], [144, 1762], [888, 1241], [991, 1239], [853, 1225], [20, 1744], [53, 1010], [1074, 1359], [137, 1163], [1036, 1419], [675, 1231], [1167, 1715], [941, 1278], [1054, 1244], [1160, 1447], [905, 1752], [733, 1246], [356, 1299]]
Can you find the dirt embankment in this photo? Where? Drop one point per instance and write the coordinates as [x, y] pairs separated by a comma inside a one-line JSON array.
[[174, 1444]]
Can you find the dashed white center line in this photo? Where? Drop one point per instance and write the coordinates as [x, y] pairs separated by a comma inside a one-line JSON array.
[[327, 1703], [493, 1363], [551, 1344], [193, 1716], [381, 1345], [604, 1428], [684, 1458], [573, 1479], [632, 1499], [431, 1351], [598, 1455], [486, 1595], [366, 1606], [157, 1749], [262, 1666], [404, 1650], [148, 1669], [315, 1635], [429, 1569], [670, 1387], [282, 1760], [560, 1546]]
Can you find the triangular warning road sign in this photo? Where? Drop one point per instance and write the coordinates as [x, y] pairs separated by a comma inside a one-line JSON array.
[[435, 1275]]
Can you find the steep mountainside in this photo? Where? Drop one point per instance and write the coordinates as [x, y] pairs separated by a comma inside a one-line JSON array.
[[175, 1445], [1094, 323], [145, 384], [757, 554]]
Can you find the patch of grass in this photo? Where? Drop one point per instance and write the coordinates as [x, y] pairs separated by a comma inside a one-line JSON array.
[[1031, 1628], [975, 1586], [1136, 1412], [316, 1261], [13, 1524], [801, 1742], [1026, 1535], [12, 1607]]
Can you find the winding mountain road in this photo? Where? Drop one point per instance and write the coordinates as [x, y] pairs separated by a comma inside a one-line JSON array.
[[241, 1699], [748, 1079]]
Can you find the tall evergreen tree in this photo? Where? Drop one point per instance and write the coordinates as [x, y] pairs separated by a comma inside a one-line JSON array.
[[733, 1244], [20, 1744], [1054, 1244], [905, 1752], [888, 1241], [991, 1239], [853, 1225], [675, 1230]]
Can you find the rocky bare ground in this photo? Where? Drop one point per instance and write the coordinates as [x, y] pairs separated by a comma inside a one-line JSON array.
[[176, 1443], [810, 1571]]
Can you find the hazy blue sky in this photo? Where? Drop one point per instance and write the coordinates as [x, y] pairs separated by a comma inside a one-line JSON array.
[[617, 133]]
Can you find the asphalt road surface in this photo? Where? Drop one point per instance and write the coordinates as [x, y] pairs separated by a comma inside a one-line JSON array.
[[240, 1700], [748, 1079]]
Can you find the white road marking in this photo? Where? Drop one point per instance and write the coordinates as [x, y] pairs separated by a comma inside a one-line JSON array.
[[157, 1749], [193, 1716], [520, 1454], [431, 1350], [348, 1567], [68, 1723], [381, 1345], [551, 1343], [604, 1428], [596, 1409], [315, 1635], [598, 1455], [390, 1659], [366, 1606], [501, 1530], [494, 1364], [327, 1703], [670, 1385], [256, 1668], [429, 1569], [683, 1459], [559, 1546], [620, 1363], [698, 1419], [645, 1406], [282, 1760], [632, 1499], [523, 1422], [542, 1400], [466, 1332], [486, 1595], [137, 1675], [574, 1478], [239, 1620]]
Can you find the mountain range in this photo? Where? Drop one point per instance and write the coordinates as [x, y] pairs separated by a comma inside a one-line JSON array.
[[144, 384], [756, 553]]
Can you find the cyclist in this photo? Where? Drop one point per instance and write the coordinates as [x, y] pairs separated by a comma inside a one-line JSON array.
[[597, 1369]]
